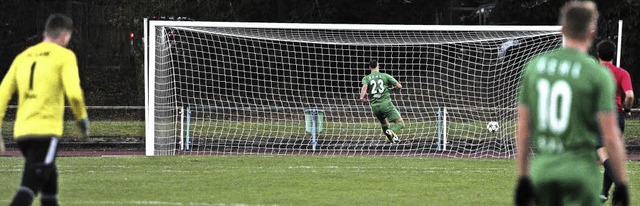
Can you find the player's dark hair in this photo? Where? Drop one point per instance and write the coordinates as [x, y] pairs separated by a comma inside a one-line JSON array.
[[606, 50], [578, 19], [373, 64], [56, 24]]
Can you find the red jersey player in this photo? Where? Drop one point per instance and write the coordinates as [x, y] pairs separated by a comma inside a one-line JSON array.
[[606, 51]]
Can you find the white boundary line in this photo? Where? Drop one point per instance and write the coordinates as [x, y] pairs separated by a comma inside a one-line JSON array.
[[141, 202]]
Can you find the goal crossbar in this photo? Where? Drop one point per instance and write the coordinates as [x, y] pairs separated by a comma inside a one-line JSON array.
[[386, 27]]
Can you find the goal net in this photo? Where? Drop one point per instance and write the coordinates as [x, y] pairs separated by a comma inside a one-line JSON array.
[[269, 88]]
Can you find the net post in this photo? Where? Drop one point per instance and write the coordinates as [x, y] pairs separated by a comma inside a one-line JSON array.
[[149, 73], [619, 52], [313, 124], [314, 128], [439, 128], [181, 128], [187, 132], [444, 129]]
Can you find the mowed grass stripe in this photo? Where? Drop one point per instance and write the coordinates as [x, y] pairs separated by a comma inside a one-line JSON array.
[[296, 129], [280, 180]]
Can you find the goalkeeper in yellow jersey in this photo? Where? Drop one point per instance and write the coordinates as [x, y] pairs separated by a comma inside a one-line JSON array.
[[377, 85], [42, 76]]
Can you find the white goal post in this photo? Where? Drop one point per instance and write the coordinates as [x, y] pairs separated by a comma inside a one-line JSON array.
[[283, 88]]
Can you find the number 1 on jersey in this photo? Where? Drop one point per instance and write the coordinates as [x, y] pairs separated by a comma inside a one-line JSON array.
[[33, 69]]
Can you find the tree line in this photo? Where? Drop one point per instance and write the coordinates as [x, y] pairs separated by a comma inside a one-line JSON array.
[[106, 55]]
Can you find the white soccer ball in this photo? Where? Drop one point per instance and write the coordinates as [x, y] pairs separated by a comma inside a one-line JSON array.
[[493, 127]]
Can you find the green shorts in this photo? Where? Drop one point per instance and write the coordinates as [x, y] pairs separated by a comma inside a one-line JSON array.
[[385, 110], [567, 179]]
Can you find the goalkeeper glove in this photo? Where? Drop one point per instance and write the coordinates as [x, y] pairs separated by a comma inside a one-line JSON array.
[[84, 126], [620, 195], [524, 192]]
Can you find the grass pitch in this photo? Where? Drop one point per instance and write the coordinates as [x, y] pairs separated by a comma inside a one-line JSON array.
[[280, 180], [119, 129]]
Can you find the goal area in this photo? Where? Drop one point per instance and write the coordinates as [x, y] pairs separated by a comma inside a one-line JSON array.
[[274, 88]]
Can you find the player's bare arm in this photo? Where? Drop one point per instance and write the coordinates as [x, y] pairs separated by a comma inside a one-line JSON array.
[[397, 86], [628, 102], [522, 138], [524, 189], [363, 93], [615, 147]]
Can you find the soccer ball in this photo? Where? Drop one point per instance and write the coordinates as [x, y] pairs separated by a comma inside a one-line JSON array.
[[493, 127]]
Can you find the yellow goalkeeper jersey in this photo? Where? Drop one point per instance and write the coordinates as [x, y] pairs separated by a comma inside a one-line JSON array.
[[42, 75]]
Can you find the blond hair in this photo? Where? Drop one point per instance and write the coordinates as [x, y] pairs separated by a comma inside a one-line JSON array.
[[578, 19]]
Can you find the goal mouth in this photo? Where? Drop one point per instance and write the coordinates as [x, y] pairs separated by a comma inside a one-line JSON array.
[[268, 88]]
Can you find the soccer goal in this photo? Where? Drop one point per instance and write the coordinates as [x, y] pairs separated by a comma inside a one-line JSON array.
[[274, 88]]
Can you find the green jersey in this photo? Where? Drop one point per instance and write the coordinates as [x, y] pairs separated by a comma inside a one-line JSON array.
[[377, 88], [564, 90]]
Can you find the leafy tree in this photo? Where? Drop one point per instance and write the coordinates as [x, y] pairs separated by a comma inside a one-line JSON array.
[[530, 12], [21, 24], [629, 11]]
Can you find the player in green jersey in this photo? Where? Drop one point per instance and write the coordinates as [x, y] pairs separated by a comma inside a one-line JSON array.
[[565, 98], [377, 85]]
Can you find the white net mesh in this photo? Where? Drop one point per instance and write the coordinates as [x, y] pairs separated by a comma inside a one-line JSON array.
[[235, 90]]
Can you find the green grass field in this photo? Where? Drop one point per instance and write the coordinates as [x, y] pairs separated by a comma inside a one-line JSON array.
[[136, 129], [280, 180], [632, 128]]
